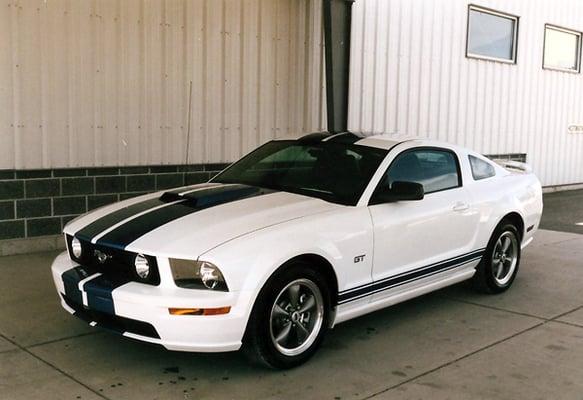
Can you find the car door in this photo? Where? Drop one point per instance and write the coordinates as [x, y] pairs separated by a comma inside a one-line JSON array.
[[412, 235]]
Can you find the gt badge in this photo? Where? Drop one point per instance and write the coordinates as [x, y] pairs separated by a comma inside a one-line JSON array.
[[358, 259]]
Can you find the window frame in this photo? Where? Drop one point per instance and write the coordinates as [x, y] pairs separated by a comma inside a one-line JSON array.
[[515, 18], [579, 35], [423, 148], [470, 156]]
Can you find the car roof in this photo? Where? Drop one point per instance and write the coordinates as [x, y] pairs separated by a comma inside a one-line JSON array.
[[381, 141]]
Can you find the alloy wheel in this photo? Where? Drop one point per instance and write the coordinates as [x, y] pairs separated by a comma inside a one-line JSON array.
[[504, 258], [296, 317]]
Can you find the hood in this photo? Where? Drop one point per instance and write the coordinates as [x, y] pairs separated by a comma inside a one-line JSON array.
[[186, 222]]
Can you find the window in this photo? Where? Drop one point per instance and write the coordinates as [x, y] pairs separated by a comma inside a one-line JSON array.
[[435, 169], [561, 49], [481, 169], [491, 35], [335, 172]]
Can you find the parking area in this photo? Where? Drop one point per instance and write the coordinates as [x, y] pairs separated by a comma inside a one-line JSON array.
[[452, 344]]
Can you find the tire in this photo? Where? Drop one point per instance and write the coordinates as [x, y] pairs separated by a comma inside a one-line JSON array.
[[276, 332], [499, 265]]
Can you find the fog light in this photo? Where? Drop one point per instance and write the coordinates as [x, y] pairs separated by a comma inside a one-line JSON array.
[[142, 266], [76, 248]]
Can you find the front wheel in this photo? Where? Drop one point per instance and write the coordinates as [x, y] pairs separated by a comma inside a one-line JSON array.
[[289, 319], [500, 263]]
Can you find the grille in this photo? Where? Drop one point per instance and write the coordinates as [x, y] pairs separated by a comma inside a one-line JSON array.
[[115, 263]]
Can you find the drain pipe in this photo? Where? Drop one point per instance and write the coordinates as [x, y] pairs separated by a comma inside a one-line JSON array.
[[337, 18]]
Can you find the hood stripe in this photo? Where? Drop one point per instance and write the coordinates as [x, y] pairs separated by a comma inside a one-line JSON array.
[[99, 236], [96, 227], [132, 230]]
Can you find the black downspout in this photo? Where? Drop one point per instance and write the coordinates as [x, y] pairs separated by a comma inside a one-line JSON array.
[[337, 16]]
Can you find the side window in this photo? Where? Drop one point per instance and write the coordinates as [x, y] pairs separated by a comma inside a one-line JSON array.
[[435, 169], [481, 169]]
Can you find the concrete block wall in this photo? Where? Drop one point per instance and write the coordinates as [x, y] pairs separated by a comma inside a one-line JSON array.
[[38, 203]]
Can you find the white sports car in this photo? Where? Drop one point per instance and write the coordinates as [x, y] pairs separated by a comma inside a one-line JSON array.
[[294, 238]]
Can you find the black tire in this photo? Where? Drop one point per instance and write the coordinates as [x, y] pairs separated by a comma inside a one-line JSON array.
[[485, 279], [258, 342]]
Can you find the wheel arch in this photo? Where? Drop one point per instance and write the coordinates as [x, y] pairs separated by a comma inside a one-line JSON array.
[[515, 219], [322, 265], [318, 263]]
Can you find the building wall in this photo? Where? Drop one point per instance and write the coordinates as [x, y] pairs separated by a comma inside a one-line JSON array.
[[96, 100], [88, 83], [409, 74]]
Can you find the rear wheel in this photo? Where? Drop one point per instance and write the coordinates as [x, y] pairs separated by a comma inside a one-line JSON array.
[[289, 318], [500, 263]]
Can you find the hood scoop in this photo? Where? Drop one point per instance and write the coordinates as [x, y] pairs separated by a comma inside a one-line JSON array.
[[169, 197], [214, 195]]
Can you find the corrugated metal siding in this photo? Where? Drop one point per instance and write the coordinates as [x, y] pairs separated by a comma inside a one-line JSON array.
[[106, 82], [409, 74]]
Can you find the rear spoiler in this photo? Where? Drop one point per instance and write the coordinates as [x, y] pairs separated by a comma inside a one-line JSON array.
[[514, 165]]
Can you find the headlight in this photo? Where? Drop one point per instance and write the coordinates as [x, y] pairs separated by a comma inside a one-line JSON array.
[[142, 266], [76, 248], [197, 275]]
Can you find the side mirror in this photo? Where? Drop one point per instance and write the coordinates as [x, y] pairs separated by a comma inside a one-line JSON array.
[[399, 191]]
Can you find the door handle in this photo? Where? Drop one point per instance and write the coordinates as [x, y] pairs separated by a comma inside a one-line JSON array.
[[460, 206]]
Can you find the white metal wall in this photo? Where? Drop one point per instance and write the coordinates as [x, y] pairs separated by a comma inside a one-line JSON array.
[[409, 74], [106, 82]]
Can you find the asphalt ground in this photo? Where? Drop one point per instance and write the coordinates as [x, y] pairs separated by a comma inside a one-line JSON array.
[[452, 344], [563, 211]]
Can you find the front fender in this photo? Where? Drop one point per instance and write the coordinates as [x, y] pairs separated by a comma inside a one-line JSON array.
[[338, 236]]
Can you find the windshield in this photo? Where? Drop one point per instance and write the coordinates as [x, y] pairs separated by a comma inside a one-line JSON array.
[[335, 172]]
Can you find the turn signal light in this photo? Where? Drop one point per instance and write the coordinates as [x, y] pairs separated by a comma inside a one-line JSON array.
[[199, 311]]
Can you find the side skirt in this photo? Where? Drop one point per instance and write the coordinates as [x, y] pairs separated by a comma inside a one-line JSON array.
[[375, 302]]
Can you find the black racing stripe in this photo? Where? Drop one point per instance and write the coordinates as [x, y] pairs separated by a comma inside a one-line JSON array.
[[117, 216], [99, 297], [416, 274], [123, 235], [71, 279], [101, 224]]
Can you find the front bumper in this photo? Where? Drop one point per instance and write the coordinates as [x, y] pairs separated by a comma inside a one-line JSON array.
[[140, 311]]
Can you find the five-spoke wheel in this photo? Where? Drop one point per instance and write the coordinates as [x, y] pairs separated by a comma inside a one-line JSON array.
[[290, 317], [505, 257], [499, 266], [296, 317]]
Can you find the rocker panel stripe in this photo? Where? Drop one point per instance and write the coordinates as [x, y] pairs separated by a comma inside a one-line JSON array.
[[409, 276]]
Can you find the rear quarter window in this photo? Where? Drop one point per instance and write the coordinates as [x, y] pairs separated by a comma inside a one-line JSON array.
[[481, 169]]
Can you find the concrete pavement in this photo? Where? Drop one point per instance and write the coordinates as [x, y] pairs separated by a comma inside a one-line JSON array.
[[453, 344]]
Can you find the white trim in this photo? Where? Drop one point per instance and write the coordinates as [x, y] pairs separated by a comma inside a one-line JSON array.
[[333, 136]]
